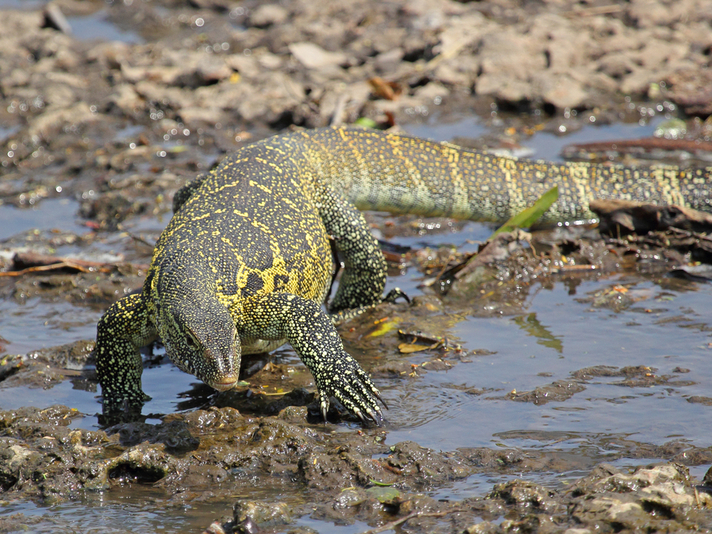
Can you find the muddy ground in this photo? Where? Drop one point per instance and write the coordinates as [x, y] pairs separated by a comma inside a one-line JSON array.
[[119, 126]]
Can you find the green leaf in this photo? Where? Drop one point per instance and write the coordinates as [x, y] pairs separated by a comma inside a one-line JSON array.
[[384, 326], [526, 218], [377, 483], [366, 122]]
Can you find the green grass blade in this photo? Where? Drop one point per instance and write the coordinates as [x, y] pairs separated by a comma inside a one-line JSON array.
[[527, 217]]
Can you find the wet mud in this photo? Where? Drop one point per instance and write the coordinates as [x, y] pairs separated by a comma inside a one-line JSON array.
[[99, 131], [339, 477]]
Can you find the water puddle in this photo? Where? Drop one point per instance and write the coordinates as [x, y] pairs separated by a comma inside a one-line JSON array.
[[548, 145], [438, 130], [96, 26], [47, 214], [35, 324], [669, 331], [318, 526], [544, 145], [22, 4], [6, 132], [140, 509], [99, 27]]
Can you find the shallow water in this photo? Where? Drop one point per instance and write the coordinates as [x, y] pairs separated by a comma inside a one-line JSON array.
[[108, 512], [668, 327], [52, 213], [93, 27], [97, 27], [544, 145], [587, 338]]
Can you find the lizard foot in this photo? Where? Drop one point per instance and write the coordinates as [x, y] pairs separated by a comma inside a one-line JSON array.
[[353, 388], [394, 294]]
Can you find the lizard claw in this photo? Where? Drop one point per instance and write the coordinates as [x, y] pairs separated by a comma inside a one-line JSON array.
[[324, 401], [377, 394], [375, 416], [353, 388], [394, 294]]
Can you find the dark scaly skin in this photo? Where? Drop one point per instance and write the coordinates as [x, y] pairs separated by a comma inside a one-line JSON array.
[[246, 262]]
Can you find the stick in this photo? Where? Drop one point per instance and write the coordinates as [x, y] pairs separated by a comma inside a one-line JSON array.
[[393, 524]]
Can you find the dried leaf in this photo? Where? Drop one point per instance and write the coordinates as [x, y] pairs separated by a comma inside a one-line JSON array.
[[384, 326], [384, 89], [409, 348]]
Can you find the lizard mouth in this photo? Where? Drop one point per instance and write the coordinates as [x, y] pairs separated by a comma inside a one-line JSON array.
[[225, 383]]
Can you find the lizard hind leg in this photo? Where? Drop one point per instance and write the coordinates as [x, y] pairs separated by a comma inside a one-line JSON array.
[[364, 277]]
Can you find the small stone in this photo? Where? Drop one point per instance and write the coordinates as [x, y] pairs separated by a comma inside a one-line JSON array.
[[565, 93], [268, 15], [385, 495], [315, 57], [54, 18], [503, 87], [214, 528]]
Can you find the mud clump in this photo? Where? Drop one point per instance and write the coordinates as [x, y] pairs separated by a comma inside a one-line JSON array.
[[111, 209], [337, 477]]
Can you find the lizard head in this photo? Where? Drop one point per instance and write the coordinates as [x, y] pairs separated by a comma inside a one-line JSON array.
[[200, 338]]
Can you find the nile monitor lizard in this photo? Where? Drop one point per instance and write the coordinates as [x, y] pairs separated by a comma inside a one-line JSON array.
[[246, 262]]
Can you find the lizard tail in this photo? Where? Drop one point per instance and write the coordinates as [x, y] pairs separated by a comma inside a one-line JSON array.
[[400, 174]]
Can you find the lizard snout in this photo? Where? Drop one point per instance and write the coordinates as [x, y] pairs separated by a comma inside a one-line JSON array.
[[225, 383]]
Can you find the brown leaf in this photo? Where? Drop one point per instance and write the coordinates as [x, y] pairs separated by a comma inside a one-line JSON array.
[[384, 89], [638, 217]]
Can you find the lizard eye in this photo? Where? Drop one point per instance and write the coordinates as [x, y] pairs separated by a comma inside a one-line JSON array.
[[190, 342]]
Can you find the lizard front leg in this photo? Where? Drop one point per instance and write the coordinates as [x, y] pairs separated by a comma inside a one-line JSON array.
[[121, 332], [310, 331]]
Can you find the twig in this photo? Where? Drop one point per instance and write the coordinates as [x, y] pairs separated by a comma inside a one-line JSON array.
[[338, 117], [593, 11], [141, 240], [688, 233], [30, 262], [54, 267], [393, 524]]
